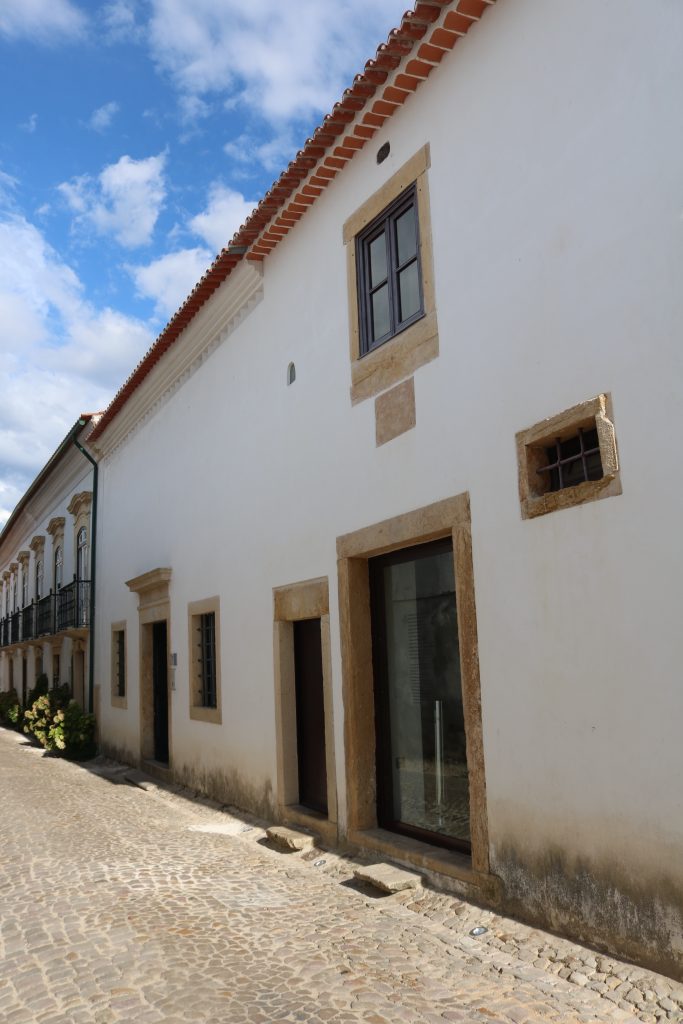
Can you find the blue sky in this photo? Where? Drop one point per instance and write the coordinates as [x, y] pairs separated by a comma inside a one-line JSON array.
[[135, 137]]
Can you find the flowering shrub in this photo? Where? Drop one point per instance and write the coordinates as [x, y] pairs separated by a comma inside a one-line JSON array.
[[73, 732]]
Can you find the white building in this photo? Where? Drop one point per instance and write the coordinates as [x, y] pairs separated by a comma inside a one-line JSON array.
[[356, 569], [46, 558]]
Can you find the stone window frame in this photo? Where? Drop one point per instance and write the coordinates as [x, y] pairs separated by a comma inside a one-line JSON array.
[[23, 559], [119, 700], [79, 508], [195, 609], [37, 546], [56, 530], [294, 602], [447, 518], [417, 344], [595, 413]]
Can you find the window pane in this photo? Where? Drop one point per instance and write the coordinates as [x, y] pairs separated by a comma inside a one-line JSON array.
[[378, 260], [409, 291], [406, 239], [380, 313], [424, 758]]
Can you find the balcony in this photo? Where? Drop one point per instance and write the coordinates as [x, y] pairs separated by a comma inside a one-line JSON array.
[[66, 611], [73, 606]]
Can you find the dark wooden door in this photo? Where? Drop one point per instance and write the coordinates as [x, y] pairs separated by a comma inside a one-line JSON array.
[[160, 691], [310, 715]]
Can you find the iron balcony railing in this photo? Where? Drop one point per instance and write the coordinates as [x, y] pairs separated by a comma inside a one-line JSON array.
[[28, 618], [15, 627], [69, 608], [73, 606]]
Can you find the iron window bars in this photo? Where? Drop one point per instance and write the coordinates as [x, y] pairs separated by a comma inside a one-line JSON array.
[[207, 659], [573, 461], [389, 273]]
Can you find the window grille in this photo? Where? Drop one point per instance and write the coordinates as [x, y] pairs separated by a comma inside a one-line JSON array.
[[573, 461], [120, 661], [207, 659]]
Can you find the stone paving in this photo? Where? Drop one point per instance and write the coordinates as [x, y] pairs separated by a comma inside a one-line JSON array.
[[125, 903]]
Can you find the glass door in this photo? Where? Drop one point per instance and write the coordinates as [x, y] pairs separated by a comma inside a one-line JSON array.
[[422, 780]]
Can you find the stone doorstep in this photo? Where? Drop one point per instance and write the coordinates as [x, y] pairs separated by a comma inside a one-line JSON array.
[[388, 877], [290, 838]]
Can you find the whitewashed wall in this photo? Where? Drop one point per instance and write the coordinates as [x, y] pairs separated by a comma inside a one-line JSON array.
[[556, 186]]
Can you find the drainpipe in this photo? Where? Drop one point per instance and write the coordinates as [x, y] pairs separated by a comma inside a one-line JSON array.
[[93, 563]]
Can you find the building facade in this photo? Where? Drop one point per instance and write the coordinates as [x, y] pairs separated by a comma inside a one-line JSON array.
[[388, 544], [46, 554]]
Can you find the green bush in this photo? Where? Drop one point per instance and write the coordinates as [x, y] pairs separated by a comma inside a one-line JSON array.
[[73, 733], [8, 701], [14, 716], [39, 690]]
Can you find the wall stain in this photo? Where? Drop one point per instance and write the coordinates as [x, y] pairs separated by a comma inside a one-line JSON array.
[[597, 903], [228, 786]]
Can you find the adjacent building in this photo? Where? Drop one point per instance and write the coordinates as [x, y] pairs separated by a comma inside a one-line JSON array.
[[46, 555]]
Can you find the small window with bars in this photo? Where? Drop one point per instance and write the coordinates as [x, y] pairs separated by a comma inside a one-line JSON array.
[[569, 459], [572, 461], [206, 662], [119, 662]]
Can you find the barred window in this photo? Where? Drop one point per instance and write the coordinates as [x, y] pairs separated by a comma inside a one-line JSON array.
[[119, 642], [573, 461], [206, 674]]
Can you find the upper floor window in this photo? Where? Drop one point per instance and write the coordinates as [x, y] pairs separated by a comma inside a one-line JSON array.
[[39, 579], [14, 593], [82, 554], [59, 567], [389, 273], [24, 586]]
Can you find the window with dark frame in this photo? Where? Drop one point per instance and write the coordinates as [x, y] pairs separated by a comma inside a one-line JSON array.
[[572, 461], [120, 661], [389, 273], [207, 660]]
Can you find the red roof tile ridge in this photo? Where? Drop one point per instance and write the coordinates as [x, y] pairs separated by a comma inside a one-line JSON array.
[[301, 182]]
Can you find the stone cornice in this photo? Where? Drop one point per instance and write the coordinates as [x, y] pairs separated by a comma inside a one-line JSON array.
[[56, 525], [13, 566], [149, 580], [23, 557], [80, 502], [37, 543]]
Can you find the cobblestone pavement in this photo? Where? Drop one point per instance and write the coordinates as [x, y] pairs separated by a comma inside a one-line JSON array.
[[138, 905]]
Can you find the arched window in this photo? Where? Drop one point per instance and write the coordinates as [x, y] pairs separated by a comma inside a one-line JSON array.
[[14, 592], [291, 374], [39, 579], [59, 566], [82, 554], [24, 586]]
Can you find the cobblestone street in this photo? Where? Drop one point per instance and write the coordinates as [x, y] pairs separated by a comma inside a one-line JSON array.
[[134, 904]]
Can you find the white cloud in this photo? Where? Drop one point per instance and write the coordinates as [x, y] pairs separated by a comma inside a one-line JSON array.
[[8, 186], [61, 355], [30, 125], [272, 154], [124, 201], [41, 21], [225, 213], [170, 279], [118, 21], [285, 60], [101, 118]]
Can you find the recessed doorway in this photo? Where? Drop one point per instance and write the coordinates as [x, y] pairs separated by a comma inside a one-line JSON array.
[[310, 715], [420, 743]]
